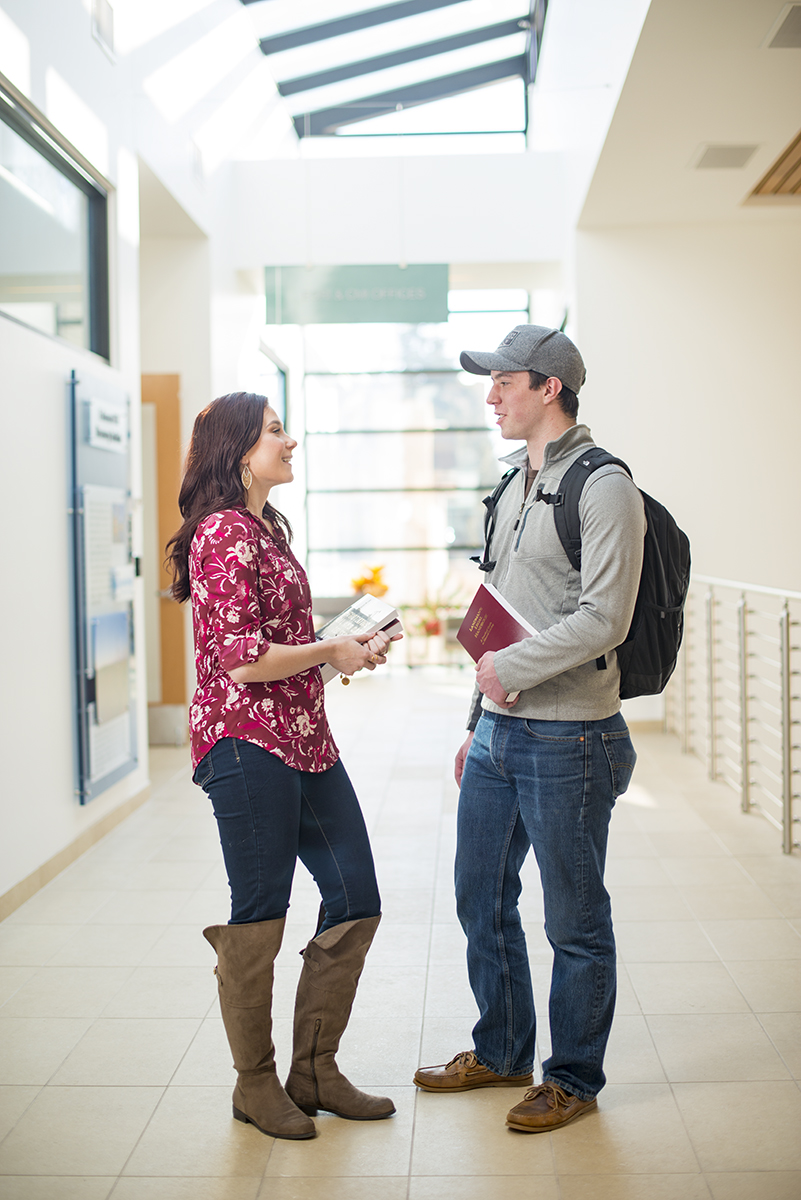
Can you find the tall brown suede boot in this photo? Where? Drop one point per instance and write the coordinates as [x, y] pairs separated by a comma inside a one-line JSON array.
[[332, 964], [245, 956]]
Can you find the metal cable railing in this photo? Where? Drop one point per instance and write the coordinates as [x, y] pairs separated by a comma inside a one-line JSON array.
[[734, 699]]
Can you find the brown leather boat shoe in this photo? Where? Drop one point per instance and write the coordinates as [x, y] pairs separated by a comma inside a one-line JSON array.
[[546, 1107], [463, 1073]]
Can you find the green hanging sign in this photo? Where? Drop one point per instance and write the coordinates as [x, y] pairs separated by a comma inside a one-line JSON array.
[[351, 295]]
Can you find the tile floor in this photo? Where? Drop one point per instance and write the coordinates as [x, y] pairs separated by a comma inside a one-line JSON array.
[[115, 1074]]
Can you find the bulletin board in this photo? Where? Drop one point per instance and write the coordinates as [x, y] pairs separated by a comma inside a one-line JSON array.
[[104, 572]]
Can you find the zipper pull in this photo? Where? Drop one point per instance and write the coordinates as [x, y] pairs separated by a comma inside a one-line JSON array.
[[519, 514]]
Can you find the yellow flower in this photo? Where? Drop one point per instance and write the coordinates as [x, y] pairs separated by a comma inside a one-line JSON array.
[[371, 583]]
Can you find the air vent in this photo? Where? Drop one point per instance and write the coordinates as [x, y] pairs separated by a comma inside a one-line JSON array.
[[724, 158], [787, 35], [784, 177]]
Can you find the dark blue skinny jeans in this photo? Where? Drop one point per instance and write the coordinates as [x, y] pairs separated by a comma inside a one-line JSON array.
[[269, 815], [550, 785]]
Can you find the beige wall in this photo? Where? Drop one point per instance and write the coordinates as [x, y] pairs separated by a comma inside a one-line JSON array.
[[174, 299], [690, 334]]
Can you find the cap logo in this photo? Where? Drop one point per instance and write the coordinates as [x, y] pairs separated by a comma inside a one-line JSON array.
[[510, 337]]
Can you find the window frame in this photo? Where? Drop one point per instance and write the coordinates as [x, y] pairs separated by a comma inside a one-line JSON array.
[[34, 128]]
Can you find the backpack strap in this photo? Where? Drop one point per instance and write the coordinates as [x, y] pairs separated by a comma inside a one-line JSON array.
[[566, 501], [566, 505], [491, 504]]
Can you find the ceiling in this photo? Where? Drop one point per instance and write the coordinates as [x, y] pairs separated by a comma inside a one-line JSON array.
[[358, 66], [711, 101]]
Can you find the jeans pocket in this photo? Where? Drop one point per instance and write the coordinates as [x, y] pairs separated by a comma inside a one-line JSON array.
[[622, 756], [204, 771]]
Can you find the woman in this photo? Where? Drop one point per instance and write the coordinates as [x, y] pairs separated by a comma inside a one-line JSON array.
[[263, 752]]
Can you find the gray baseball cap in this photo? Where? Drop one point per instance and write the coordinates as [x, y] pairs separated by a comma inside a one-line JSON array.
[[531, 348]]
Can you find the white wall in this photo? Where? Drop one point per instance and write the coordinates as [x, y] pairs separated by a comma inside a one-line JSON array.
[[690, 335], [103, 107], [39, 812], [482, 208]]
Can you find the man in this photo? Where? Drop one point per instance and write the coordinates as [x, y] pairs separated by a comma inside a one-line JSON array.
[[543, 770]]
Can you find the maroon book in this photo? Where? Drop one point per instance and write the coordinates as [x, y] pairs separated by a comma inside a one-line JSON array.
[[491, 623]]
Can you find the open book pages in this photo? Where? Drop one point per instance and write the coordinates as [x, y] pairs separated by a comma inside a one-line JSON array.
[[366, 615]]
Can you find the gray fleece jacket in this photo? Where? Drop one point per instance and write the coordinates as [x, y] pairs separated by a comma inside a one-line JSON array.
[[579, 615]]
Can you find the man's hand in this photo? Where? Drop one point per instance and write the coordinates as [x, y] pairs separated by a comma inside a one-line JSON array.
[[489, 683], [460, 757]]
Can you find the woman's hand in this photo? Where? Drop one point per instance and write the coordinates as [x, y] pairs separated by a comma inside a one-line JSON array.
[[346, 654], [367, 651], [349, 655], [378, 645]]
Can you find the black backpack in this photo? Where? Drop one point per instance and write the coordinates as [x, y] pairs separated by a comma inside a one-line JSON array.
[[647, 657]]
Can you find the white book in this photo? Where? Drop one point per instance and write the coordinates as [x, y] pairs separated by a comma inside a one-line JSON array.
[[366, 615]]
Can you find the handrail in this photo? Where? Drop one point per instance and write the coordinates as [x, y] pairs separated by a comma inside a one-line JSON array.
[[746, 587], [734, 698]]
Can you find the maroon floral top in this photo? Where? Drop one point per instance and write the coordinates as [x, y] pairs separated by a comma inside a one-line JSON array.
[[248, 589]]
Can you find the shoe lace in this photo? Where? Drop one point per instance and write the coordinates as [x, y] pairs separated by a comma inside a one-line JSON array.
[[554, 1095], [465, 1059]]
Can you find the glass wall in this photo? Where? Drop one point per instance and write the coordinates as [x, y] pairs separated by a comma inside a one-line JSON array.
[[400, 450], [53, 255]]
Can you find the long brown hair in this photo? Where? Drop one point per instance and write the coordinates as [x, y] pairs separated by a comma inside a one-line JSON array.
[[223, 433]]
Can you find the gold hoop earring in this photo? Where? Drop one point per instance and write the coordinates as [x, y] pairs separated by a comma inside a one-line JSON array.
[[247, 478]]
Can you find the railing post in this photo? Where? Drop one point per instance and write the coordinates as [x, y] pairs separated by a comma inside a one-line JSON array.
[[685, 686], [787, 730], [745, 756], [710, 683]]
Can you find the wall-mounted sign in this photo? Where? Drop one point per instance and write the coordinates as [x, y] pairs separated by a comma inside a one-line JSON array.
[[108, 427], [351, 295]]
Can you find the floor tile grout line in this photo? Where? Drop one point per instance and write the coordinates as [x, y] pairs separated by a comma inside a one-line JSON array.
[[142, 1133], [795, 1076], [436, 865]]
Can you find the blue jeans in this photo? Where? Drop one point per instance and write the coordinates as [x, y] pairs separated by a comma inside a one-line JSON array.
[[269, 815], [551, 785]]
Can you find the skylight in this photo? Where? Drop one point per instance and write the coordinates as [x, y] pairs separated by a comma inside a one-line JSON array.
[[402, 68]]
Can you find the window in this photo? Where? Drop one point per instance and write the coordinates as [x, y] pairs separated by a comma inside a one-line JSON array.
[[401, 447], [53, 235]]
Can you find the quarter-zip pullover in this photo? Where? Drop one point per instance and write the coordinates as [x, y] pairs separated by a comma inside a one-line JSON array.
[[580, 616]]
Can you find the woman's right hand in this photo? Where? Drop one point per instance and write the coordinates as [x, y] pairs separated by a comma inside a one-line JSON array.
[[348, 655]]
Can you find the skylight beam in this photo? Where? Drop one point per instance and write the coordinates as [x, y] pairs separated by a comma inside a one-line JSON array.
[[412, 54], [406, 75], [395, 35], [361, 20], [327, 121]]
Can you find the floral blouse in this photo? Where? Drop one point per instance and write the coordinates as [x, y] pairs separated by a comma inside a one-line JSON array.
[[248, 589]]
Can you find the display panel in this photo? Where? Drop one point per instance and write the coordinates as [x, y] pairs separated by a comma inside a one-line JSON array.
[[103, 587]]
